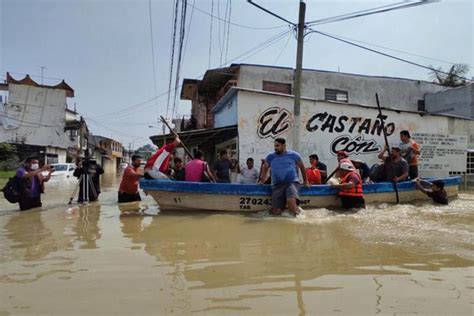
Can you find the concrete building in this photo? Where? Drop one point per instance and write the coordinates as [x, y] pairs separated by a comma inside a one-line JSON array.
[[396, 93], [243, 108], [455, 101], [37, 120], [107, 152]]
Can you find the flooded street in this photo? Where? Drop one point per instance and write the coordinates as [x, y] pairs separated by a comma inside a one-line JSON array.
[[386, 260]]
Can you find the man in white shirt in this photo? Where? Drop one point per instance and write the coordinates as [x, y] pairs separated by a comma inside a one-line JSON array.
[[249, 174]]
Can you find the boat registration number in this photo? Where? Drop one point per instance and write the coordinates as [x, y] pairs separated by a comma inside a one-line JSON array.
[[247, 202]]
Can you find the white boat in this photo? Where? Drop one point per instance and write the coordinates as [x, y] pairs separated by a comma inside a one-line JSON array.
[[178, 195]]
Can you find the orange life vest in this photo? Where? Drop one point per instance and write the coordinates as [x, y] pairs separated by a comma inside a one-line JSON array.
[[313, 175], [356, 190]]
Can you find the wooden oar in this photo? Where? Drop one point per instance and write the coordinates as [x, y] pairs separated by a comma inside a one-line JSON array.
[[183, 145], [176, 135], [395, 188]]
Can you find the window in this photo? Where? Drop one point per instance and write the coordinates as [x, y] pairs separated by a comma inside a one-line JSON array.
[[336, 95], [278, 87], [421, 106], [469, 165]]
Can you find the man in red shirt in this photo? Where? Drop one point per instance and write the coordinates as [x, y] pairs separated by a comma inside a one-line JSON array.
[[128, 190], [157, 167]]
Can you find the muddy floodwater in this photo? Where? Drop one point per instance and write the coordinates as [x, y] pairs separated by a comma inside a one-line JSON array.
[[89, 260]]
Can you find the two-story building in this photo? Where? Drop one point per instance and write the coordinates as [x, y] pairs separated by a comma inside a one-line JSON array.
[[107, 152], [243, 108], [37, 120]]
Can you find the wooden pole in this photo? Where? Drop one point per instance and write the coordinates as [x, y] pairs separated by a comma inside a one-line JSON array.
[[395, 188]]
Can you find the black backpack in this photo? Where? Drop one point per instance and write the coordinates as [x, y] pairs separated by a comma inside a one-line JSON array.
[[11, 191]]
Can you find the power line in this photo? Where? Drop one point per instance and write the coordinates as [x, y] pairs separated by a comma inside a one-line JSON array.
[[384, 54], [271, 13], [369, 12], [173, 40], [210, 34], [392, 49], [32, 124], [283, 49], [142, 105], [152, 52], [228, 29], [236, 24]]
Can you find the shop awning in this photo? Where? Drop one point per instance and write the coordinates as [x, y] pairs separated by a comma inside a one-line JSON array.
[[201, 138]]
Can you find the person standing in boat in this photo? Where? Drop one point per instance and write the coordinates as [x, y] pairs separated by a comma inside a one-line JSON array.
[[351, 194], [316, 174], [158, 165], [222, 168], [249, 174], [285, 182], [394, 168], [410, 151], [197, 170], [128, 190], [437, 192]]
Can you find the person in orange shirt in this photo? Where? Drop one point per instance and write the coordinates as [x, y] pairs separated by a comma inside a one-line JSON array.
[[128, 190], [314, 173], [410, 151]]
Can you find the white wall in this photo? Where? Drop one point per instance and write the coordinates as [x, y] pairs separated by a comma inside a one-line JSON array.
[[38, 116], [351, 123], [394, 92]]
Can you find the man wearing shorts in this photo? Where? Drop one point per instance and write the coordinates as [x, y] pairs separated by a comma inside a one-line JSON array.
[[285, 182]]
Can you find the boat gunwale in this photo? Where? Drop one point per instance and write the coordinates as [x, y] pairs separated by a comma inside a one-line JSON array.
[[259, 190]]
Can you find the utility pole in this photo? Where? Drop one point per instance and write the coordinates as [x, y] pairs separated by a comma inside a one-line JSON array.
[[300, 28], [297, 78]]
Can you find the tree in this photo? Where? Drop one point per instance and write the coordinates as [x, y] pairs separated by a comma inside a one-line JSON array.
[[453, 77], [8, 157]]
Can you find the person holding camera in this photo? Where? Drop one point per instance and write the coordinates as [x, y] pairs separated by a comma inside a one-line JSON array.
[[32, 183], [88, 172]]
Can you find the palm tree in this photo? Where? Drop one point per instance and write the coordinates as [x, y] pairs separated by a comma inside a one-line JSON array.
[[453, 77]]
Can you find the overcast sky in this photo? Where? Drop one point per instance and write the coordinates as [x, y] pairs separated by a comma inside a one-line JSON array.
[[102, 48]]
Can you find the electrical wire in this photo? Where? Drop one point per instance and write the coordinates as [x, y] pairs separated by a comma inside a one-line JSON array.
[[385, 54], [143, 105], [362, 13], [392, 49], [152, 52], [236, 24], [210, 33], [283, 49], [172, 49], [271, 13]]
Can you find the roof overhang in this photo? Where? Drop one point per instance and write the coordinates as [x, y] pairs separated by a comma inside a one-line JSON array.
[[199, 138]]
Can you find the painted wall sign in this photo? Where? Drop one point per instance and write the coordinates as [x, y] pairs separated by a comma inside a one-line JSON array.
[[442, 152], [273, 122]]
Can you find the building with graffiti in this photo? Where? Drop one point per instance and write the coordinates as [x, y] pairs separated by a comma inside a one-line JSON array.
[[243, 108]]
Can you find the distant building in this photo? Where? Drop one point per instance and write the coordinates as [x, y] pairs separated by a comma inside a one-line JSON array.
[[107, 152], [37, 120]]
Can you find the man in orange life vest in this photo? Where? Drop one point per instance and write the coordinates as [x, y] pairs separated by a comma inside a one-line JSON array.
[[314, 173], [351, 193], [157, 167]]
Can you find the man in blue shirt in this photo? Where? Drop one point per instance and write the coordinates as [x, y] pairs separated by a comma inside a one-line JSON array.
[[285, 182], [32, 183]]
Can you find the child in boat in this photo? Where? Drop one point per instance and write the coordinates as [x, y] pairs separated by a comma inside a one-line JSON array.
[[437, 192]]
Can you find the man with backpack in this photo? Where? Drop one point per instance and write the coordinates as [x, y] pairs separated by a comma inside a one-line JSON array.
[[31, 183]]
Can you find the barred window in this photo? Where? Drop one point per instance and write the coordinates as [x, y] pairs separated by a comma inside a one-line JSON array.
[[336, 95]]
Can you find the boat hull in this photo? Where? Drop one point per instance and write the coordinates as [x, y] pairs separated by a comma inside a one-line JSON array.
[[173, 195]]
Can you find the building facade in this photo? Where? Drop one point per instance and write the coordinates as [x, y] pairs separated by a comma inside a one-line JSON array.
[[37, 120]]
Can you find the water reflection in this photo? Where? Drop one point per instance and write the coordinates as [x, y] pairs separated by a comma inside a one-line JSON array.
[[86, 227], [222, 251], [27, 237]]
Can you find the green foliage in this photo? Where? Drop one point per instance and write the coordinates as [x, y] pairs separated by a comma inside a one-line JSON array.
[[453, 77], [8, 157], [7, 174]]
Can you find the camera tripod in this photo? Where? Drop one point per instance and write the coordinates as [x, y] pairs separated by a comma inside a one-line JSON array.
[[85, 183]]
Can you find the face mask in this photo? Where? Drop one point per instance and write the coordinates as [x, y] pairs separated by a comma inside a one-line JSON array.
[[34, 167]]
